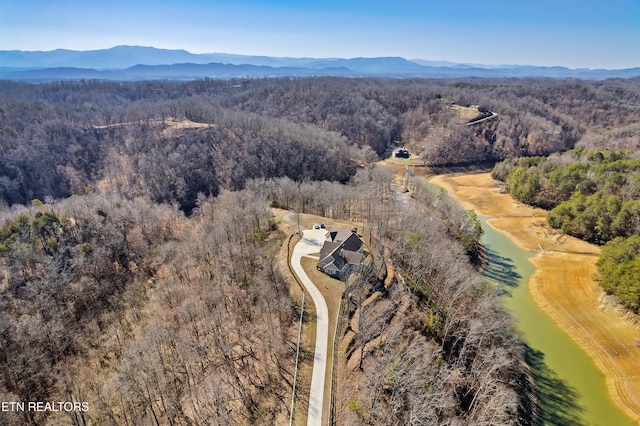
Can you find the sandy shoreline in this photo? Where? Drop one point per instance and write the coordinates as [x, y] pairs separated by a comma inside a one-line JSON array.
[[562, 285]]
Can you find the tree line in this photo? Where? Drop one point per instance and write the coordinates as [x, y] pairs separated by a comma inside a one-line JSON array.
[[592, 195]]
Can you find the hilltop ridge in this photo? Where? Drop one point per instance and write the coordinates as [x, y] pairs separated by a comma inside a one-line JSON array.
[[120, 63]]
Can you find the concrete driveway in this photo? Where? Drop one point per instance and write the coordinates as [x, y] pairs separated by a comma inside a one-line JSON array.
[[311, 242]]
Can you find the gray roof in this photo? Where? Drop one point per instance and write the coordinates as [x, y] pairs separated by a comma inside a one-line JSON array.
[[352, 243], [327, 248], [353, 257], [341, 250], [339, 234]]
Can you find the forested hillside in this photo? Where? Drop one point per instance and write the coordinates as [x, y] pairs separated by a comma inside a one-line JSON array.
[[152, 317], [61, 139], [144, 315], [592, 195]]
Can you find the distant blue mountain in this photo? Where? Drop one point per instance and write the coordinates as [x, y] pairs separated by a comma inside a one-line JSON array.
[[140, 63], [118, 57], [381, 65]]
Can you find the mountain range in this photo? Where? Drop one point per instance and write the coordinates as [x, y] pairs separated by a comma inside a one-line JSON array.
[[145, 63]]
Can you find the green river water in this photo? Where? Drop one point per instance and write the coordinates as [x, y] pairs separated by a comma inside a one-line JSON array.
[[572, 389]]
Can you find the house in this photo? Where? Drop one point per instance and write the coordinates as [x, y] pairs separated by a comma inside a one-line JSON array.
[[401, 153], [342, 253]]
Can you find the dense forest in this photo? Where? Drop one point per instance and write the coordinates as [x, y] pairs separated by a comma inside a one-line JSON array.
[[593, 195], [155, 318], [61, 139], [140, 258], [145, 316]]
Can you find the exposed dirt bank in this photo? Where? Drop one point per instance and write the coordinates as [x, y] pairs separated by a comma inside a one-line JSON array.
[[563, 284]]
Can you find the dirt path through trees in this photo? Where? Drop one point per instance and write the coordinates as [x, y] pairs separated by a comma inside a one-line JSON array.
[[563, 284]]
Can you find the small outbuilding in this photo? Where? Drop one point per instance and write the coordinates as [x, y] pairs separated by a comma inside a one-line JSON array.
[[401, 153]]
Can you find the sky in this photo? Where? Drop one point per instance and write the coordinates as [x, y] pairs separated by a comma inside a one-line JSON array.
[[575, 34]]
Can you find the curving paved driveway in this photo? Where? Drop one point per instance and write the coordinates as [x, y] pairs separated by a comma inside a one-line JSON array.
[[311, 242]]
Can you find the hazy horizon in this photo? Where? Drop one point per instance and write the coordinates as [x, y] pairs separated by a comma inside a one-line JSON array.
[[586, 34]]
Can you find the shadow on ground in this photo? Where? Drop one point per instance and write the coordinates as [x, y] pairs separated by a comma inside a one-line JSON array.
[[501, 270], [556, 401]]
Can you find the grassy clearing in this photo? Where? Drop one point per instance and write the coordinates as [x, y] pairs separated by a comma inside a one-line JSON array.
[[468, 113], [308, 220]]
